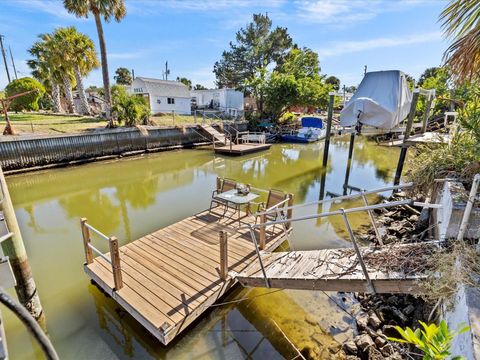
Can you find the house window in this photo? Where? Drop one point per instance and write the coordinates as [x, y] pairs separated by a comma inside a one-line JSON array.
[[171, 100]]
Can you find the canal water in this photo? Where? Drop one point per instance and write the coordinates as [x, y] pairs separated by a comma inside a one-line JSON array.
[[131, 197]]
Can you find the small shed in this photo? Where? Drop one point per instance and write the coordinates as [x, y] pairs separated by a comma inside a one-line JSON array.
[[227, 100], [164, 96]]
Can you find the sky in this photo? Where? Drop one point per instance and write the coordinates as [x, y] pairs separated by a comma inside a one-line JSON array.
[[192, 34]]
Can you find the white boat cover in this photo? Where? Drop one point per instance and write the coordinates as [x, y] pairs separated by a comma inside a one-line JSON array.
[[382, 100]]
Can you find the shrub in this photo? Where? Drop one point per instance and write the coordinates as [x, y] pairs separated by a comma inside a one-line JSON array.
[[26, 102], [129, 108], [287, 118], [434, 341]]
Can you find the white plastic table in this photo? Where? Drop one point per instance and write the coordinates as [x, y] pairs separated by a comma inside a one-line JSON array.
[[231, 196]]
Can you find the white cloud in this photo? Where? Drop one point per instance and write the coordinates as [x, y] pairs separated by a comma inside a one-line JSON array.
[[52, 7], [350, 12], [347, 47]]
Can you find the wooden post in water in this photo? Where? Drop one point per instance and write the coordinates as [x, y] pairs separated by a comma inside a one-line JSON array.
[[14, 248], [86, 241], [408, 129], [263, 233], [223, 255], [329, 129], [349, 163], [115, 258], [289, 211]]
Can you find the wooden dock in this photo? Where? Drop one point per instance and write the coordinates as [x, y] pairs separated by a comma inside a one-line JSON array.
[[168, 278], [340, 270], [241, 149], [225, 145]]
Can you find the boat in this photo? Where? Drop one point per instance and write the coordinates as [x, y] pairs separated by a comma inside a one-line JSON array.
[[312, 130]]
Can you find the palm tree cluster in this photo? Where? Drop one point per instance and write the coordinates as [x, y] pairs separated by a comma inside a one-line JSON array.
[[61, 60], [461, 22]]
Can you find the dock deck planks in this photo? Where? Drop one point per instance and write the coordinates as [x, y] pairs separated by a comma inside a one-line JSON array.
[[329, 270], [171, 276]]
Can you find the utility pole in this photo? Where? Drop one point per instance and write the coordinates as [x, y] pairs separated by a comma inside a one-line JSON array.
[[167, 71], [15, 250], [364, 69], [133, 74], [13, 62], [4, 57]]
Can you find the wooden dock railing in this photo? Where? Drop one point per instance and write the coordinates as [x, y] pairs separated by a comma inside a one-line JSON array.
[[114, 260]]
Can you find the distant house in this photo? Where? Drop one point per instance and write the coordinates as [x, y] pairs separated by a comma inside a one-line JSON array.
[[164, 96], [227, 100]]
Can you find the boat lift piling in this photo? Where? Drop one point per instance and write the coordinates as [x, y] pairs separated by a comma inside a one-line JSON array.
[[327, 143]]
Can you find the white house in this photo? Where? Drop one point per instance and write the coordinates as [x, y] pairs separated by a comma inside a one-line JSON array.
[[164, 96], [228, 100]]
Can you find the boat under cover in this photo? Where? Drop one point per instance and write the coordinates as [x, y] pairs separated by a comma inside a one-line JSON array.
[[312, 130]]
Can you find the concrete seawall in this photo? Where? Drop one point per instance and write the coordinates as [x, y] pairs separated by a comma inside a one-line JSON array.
[[28, 153]]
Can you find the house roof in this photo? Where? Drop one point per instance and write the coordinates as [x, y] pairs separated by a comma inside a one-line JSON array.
[[167, 88]]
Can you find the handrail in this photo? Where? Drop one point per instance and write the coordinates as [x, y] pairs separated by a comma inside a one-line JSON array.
[[329, 213], [345, 197], [114, 260], [99, 233]]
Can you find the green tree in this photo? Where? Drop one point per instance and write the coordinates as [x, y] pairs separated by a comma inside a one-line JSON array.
[[185, 81], [334, 81], [440, 82], [129, 108], [44, 69], [107, 9], [27, 102], [78, 53], [123, 76], [296, 82], [256, 47], [429, 72], [461, 23], [199, 87]]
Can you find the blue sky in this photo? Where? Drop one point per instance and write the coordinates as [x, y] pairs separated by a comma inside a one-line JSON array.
[[191, 35]]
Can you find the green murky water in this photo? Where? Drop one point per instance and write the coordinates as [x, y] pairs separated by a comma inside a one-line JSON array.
[[134, 196]]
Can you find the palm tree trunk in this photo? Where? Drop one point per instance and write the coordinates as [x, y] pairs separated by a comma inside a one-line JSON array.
[[84, 108], [106, 79], [67, 88], [57, 104]]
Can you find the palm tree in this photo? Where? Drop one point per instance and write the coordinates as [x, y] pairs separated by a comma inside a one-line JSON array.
[[43, 68], [461, 22], [79, 54], [106, 9]]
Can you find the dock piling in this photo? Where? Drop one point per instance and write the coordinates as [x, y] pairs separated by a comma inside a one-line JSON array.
[[115, 258], [223, 255], [14, 248], [86, 241], [263, 233]]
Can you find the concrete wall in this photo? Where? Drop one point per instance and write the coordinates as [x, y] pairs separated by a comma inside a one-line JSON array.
[[41, 151], [453, 197], [466, 305]]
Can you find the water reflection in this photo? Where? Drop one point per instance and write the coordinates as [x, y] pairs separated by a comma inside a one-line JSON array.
[[135, 196]]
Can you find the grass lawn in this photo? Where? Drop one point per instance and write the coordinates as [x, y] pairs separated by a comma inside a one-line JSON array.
[[25, 123]]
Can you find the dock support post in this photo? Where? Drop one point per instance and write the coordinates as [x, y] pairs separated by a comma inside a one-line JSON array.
[[86, 241], [349, 163], [14, 248], [223, 255], [408, 129], [263, 232], [357, 250], [329, 129], [289, 211], [115, 258]]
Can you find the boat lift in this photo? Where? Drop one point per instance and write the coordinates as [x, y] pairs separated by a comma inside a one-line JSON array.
[[358, 129]]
